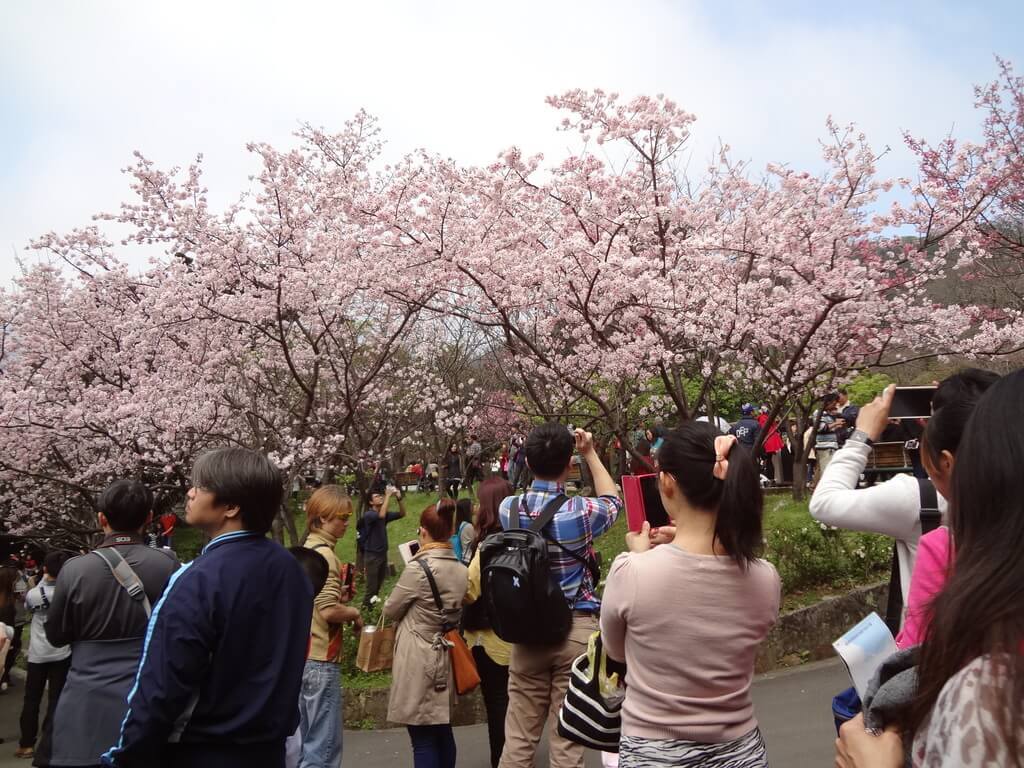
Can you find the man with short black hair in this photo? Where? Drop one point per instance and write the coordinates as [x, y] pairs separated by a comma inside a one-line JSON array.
[[373, 537], [222, 666], [100, 607], [539, 675]]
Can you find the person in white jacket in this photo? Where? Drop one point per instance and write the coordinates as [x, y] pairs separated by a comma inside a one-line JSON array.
[[893, 508]]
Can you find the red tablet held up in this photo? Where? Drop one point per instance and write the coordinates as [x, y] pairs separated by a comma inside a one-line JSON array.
[[643, 502]]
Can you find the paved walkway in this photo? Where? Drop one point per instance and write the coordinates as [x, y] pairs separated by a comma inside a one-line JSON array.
[[793, 707]]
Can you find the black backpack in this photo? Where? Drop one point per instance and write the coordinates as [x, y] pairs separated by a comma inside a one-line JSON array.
[[524, 602]]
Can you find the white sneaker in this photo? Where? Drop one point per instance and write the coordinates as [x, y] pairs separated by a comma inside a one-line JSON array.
[[3, 686]]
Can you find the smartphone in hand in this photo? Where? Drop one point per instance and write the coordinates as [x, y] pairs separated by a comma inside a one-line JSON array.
[[912, 403]]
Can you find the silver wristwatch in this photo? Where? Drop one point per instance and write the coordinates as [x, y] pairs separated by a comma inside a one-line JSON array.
[[861, 437]]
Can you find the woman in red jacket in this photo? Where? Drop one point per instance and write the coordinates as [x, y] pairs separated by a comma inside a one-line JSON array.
[[772, 445]]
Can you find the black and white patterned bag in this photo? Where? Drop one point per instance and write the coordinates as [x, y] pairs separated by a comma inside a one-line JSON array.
[[589, 716]]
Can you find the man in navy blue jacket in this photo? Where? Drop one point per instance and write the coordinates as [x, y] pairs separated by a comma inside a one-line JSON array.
[[222, 662]]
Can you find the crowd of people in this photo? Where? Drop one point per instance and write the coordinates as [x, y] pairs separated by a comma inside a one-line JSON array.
[[235, 658]]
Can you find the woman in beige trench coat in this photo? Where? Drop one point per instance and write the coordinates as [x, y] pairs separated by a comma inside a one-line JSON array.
[[422, 689]]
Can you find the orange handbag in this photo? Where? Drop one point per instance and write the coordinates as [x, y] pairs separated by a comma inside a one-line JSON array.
[[463, 665]]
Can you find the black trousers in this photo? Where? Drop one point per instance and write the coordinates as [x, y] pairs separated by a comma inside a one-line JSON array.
[[376, 571], [452, 487], [12, 653], [494, 687], [52, 675]]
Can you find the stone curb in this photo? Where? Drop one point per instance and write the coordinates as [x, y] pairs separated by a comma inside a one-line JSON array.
[[802, 635]]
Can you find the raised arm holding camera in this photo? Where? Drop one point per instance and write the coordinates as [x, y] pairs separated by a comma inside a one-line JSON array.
[[375, 538], [894, 508]]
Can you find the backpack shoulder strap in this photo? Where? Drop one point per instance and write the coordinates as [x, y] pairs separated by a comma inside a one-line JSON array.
[[125, 576], [515, 509], [930, 515], [547, 514], [538, 525]]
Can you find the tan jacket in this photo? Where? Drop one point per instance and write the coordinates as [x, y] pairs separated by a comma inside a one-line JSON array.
[[325, 639], [421, 665]]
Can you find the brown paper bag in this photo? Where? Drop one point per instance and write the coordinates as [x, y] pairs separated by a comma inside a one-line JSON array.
[[376, 647]]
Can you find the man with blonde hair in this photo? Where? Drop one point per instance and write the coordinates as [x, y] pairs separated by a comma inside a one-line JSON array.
[[320, 704]]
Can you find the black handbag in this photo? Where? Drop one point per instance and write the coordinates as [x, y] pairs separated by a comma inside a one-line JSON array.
[[588, 716]]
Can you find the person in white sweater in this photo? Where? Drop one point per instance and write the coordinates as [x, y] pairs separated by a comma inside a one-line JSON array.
[[893, 508]]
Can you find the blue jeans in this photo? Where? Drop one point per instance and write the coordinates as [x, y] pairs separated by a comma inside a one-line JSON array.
[[320, 715], [433, 746]]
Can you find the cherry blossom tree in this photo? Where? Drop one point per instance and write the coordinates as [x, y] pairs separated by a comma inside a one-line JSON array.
[[342, 311], [100, 379], [970, 197]]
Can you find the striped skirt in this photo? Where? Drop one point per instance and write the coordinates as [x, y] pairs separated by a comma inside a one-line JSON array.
[[745, 752]]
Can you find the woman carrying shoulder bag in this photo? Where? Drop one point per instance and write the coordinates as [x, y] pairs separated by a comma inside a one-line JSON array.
[[688, 616], [423, 687]]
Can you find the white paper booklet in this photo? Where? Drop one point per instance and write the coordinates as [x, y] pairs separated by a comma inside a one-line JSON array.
[[864, 648]]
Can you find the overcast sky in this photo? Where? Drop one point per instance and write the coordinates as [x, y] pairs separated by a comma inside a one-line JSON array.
[[83, 84]]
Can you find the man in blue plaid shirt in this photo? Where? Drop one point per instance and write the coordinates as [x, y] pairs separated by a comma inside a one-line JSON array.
[[539, 675]]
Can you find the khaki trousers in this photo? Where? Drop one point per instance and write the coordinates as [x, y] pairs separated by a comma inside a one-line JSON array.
[[538, 677]]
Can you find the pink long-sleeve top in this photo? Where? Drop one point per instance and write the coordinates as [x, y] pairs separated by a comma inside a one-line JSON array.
[[688, 627], [931, 569]]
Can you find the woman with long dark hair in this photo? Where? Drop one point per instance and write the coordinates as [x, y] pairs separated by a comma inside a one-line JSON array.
[[492, 654], [688, 616], [453, 471], [969, 706]]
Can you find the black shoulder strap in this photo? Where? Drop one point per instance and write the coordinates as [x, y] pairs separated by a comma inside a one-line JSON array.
[[930, 520], [433, 585], [894, 603], [547, 514], [445, 624], [930, 515], [538, 526]]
